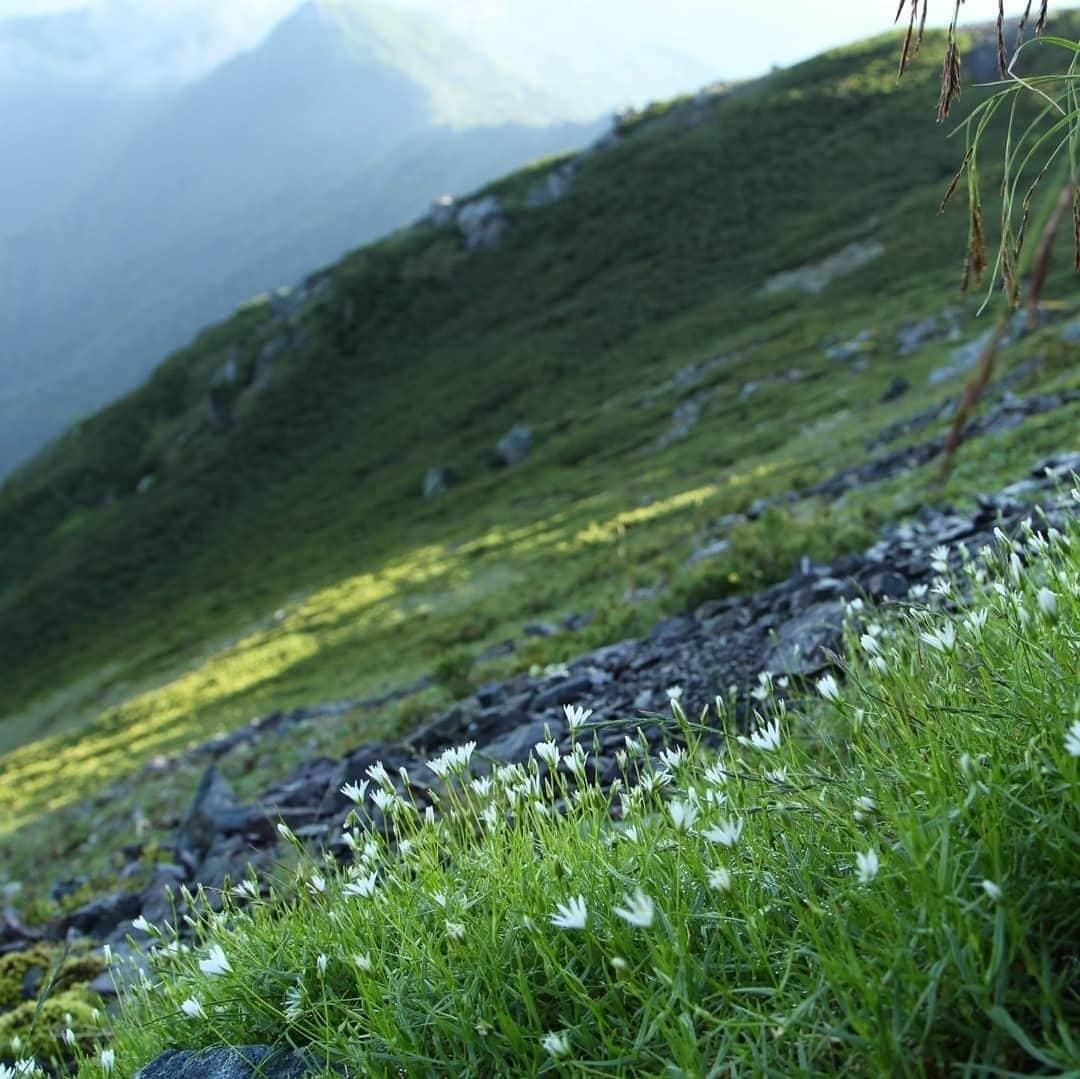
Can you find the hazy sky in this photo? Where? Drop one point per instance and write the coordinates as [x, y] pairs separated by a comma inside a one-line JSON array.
[[740, 38]]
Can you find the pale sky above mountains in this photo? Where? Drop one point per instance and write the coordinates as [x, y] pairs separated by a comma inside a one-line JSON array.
[[733, 39]]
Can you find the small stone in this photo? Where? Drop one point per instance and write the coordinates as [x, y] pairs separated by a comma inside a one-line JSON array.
[[515, 445]]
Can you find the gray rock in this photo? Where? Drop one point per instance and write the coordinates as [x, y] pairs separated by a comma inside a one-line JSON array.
[[1070, 332], [241, 1063], [515, 445], [443, 211], [552, 187], [482, 223], [709, 551], [516, 745], [436, 482], [896, 388], [568, 691], [214, 812], [683, 420], [802, 644], [102, 915], [847, 351], [156, 903], [814, 279]]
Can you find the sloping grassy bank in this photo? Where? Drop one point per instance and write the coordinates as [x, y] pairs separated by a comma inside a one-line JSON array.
[[880, 880]]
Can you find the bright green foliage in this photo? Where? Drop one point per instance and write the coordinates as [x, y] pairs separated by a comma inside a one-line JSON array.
[[291, 559], [880, 881]]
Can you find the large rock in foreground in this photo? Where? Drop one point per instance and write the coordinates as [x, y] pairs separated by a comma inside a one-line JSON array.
[[242, 1063]]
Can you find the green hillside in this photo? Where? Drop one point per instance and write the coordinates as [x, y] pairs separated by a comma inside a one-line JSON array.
[[170, 569]]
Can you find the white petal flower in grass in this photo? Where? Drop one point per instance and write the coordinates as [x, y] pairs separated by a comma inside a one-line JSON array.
[[379, 774], [673, 757], [576, 716], [363, 962], [992, 890], [142, 925], [828, 687], [216, 962], [720, 879], [639, 910], [69, 1036], [192, 1008], [867, 866], [1072, 740], [384, 799], [548, 752], [651, 782], [766, 737], [1048, 602], [556, 1044], [683, 815], [108, 1060], [455, 930], [941, 640], [483, 786], [294, 1004], [316, 884], [674, 693], [362, 887], [572, 914], [355, 791], [246, 889], [321, 963], [286, 832], [726, 832]]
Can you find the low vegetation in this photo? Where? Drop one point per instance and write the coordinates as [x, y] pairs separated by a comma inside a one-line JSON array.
[[877, 879]]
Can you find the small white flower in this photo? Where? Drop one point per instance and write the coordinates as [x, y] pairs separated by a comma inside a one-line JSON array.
[[108, 953], [674, 694], [384, 799], [363, 887], [828, 688], [868, 865], [246, 889], [286, 832], [766, 738], [142, 925], [316, 884], [720, 879], [779, 776], [321, 962], [639, 910], [1048, 603], [683, 814], [482, 786], [673, 758], [764, 689], [355, 791], [576, 716], [941, 640], [69, 1036], [726, 833], [918, 591], [939, 559], [490, 815], [870, 645], [363, 962], [294, 1004], [216, 962], [576, 760], [556, 1044], [548, 752], [992, 890], [108, 1060], [572, 914], [379, 774], [975, 622], [192, 1008], [715, 775], [455, 930], [1072, 740], [651, 782]]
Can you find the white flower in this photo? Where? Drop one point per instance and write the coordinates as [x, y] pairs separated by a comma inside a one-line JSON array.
[[216, 962], [942, 640], [294, 1004], [1048, 603], [1072, 740], [779, 776], [142, 925], [286, 832], [378, 772], [548, 752], [321, 962], [108, 1060], [918, 591], [766, 738], [673, 758], [455, 930], [490, 815], [452, 761], [720, 879], [975, 622], [576, 717], [715, 775], [653, 781], [363, 962], [726, 833], [558, 1045], [683, 815], [639, 910], [192, 1008], [868, 865], [364, 887], [107, 952], [870, 645], [764, 689], [246, 889], [384, 799], [992, 890], [572, 914], [482, 786], [69, 1036], [828, 688], [355, 791], [576, 760], [674, 693], [939, 559], [316, 884]]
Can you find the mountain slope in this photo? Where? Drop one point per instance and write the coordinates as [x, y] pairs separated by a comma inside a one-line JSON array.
[[247, 531], [187, 202]]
